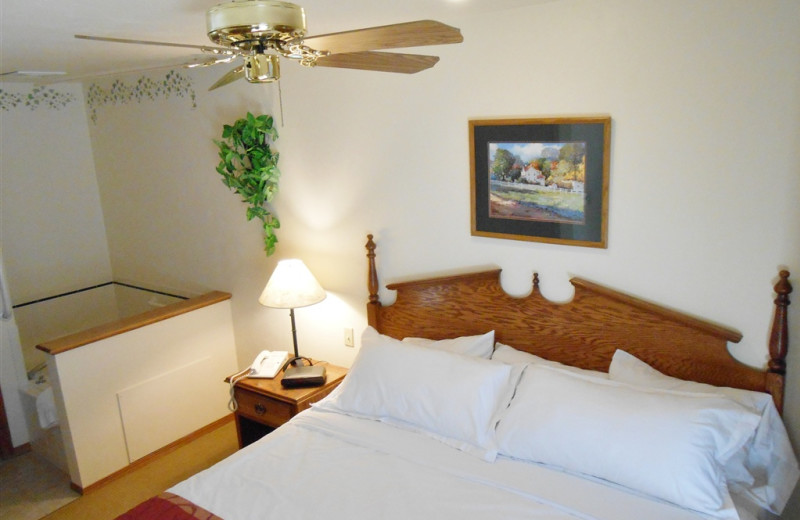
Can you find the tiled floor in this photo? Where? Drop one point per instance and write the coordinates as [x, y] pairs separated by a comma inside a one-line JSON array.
[[30, 488]]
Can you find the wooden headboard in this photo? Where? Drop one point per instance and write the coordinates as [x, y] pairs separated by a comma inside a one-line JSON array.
[[584, 332]]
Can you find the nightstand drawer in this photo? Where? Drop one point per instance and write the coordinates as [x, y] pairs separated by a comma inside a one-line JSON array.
[[263, 409]]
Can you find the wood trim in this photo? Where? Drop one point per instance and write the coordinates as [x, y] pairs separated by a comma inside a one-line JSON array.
[[584, 332], [679, 317], [21, 449], [113, 328], [374, 303], [16, 451], [445, 280], [779, 340], [147, 459], [6, 445]]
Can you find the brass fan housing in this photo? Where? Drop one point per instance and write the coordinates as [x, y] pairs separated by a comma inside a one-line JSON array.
[[262, 68], [250, 24]]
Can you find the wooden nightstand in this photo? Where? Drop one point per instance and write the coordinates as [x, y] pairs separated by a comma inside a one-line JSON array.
[[264, 404]]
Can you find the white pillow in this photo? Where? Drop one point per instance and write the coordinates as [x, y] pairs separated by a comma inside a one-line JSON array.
[[766, 469], [451, 397], [480, 346], [667, 445], [507, 354]]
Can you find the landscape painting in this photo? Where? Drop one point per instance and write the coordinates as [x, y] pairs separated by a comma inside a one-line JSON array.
[[537, 181], [541, 179]]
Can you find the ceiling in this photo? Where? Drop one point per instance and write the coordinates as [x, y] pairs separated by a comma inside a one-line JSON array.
[[37, 35]]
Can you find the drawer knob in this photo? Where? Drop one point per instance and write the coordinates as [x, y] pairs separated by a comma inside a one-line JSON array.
[[260, 409]]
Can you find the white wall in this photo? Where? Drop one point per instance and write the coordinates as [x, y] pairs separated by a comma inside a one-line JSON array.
[[704, 161], [50, 218], [704, 176], [51, 226]]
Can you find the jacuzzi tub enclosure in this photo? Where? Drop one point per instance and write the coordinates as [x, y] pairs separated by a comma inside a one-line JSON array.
[[58, 315], [126, 388], [55, 316]]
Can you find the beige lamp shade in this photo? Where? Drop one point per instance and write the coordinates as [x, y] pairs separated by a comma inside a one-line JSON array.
[[291, 286]]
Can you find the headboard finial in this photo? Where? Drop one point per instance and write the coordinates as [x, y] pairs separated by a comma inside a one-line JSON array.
[[372, 279], [779, 335], [779, 341], [783, 287]]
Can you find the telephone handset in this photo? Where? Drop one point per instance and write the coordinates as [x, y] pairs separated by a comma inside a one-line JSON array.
[[267, 364]]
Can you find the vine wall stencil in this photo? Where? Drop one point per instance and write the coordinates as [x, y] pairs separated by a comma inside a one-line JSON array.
[[173, 84], [37, 97]]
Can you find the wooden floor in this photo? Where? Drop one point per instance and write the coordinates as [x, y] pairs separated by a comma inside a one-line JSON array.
[[121, 494]]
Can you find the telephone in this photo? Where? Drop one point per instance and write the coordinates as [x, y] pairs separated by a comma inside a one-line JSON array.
[[267, 364]]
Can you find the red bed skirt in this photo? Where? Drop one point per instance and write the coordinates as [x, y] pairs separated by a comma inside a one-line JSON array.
[[167, 506]]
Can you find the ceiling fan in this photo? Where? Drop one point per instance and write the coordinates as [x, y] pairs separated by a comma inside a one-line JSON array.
[[261, 31]]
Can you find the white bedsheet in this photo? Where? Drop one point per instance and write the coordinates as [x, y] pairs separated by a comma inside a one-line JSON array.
[[328, 465]]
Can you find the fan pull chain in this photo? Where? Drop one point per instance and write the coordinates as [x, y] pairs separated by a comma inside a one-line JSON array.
[[280, 101]]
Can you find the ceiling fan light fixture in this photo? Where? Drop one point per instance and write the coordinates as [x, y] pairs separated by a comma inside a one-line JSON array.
[[262, 32], [241, 21], [262, 68]]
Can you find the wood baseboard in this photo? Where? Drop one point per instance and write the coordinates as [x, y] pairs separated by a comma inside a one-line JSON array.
[[147, 459], [19, 450]]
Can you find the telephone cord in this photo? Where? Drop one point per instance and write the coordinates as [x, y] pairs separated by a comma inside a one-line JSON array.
[[235, 378]]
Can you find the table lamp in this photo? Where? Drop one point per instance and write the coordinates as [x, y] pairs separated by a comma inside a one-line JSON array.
[[291, 286]]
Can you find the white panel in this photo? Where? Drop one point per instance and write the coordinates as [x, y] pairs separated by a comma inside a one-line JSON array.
[[159, 356], [170, 406]]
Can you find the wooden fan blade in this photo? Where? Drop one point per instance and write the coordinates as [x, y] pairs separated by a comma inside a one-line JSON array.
[[230, 77], [183, 62], [379, 61], [409, 34], [218, 50]]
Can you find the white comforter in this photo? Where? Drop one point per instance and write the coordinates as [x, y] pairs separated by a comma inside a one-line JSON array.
[[328, 465]]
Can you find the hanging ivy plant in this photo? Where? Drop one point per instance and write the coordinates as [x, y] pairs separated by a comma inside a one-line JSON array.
[[250, 168]]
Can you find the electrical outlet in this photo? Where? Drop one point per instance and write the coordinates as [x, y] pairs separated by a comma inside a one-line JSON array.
[[348, 338]]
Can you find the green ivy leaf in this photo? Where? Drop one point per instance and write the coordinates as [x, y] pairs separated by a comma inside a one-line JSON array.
[[249, 167]]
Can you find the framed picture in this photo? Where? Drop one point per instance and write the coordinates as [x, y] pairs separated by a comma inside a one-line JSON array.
[[543, 180]]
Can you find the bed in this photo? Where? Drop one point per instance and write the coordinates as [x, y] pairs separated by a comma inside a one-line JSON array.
[[465, 402]]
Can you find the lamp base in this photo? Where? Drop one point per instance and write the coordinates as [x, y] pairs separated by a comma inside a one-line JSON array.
[[298, 361]]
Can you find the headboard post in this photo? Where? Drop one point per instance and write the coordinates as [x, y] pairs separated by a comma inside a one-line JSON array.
[[372, 284], [779, 340]]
